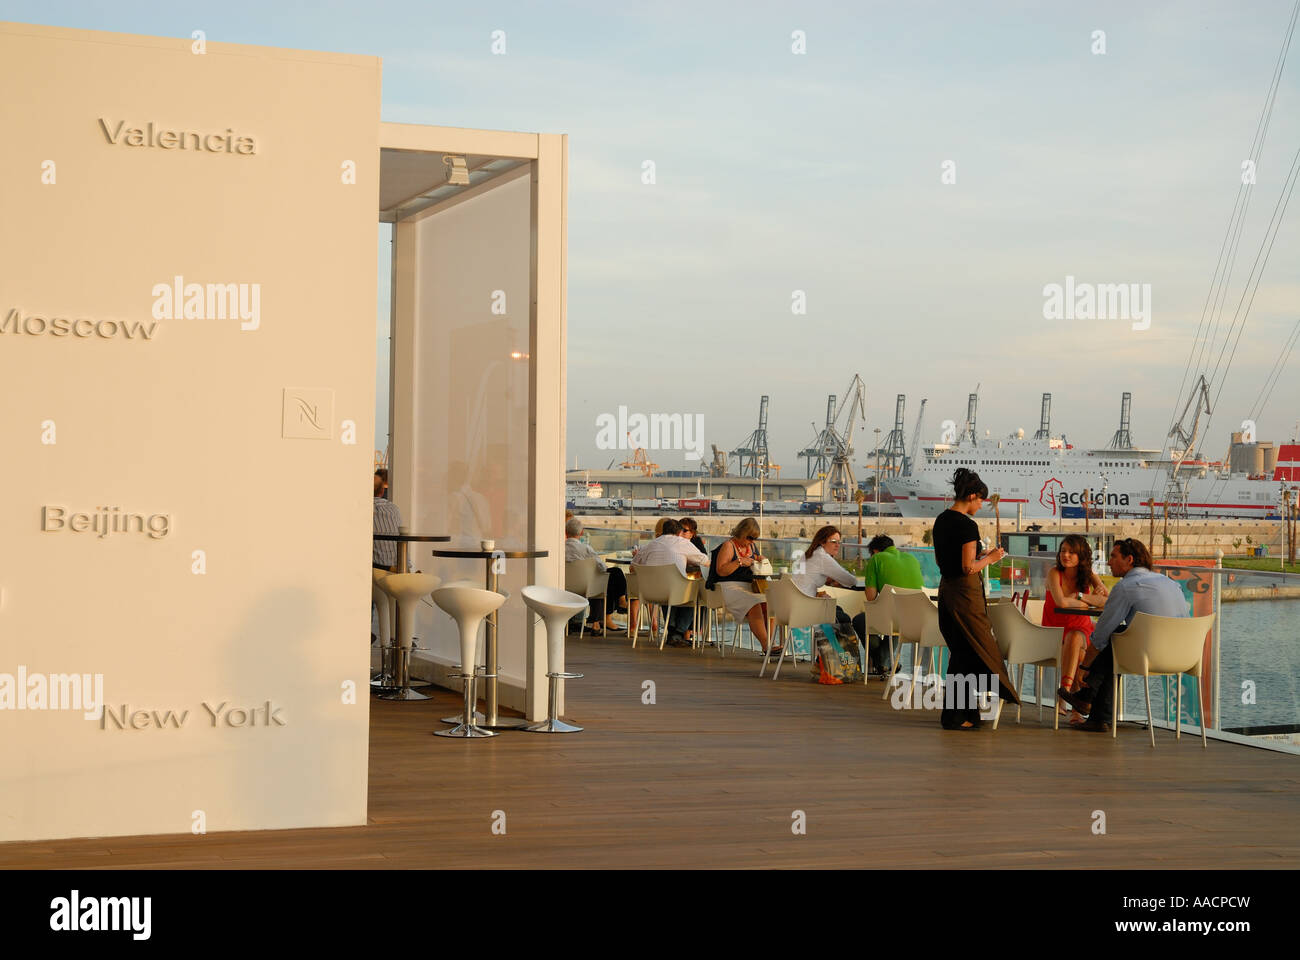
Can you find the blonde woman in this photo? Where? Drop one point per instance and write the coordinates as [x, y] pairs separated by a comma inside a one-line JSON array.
[[732, 572]]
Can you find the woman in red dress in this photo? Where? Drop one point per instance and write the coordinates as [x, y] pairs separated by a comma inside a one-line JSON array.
[[1071, 584]]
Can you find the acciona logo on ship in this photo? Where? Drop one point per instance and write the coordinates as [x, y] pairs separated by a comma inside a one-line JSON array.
[[208, 301], [75, 913]]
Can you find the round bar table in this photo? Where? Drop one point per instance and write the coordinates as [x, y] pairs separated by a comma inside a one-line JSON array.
[[490, 718], [388, 686]]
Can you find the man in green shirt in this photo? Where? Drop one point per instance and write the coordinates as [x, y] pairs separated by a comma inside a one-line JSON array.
[[887, 566]]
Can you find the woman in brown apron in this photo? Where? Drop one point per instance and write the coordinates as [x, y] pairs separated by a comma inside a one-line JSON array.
[[963, 612]]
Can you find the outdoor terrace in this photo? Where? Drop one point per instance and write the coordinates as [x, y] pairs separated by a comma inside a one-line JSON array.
[[709, 775]]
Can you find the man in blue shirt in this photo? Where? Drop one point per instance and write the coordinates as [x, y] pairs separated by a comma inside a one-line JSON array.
[[1139, 589]]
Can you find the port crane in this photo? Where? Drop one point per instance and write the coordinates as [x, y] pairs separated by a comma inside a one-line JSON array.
[[972, 406], [640, 462], [1045, 419], [1183, 442], [910, 462], [718, 468], [840, 483], [822, 448], [893, 455], [1123, 438], [752, 456]]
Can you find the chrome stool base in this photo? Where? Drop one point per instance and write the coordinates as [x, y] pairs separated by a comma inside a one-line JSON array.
[[478, 719], [464, 732], [394, 682], [467, 723], [553, 724]]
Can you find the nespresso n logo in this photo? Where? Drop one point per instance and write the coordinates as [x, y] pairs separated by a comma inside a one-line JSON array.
[[151, 135]]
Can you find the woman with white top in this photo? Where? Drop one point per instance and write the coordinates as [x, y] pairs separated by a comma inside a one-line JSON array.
[[821, 567]]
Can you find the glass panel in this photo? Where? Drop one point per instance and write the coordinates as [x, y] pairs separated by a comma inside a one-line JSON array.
[[471, 409]]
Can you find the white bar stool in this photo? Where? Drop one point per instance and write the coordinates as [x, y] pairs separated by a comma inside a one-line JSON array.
[[468, 606], [555, 606], [384, 604], [406, 589]]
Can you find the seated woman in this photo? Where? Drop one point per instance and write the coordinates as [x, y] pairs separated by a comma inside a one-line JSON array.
[[1068, 583], [732, 572], [821, 568]]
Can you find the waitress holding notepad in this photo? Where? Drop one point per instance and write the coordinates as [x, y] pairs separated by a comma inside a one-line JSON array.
[[963, 613]]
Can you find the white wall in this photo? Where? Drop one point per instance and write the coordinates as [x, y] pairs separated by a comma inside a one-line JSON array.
[[188, 424]]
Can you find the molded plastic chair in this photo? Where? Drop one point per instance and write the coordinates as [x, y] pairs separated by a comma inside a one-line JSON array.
[[407, 589], [1034, 612], [882, 618], [1160, 646], [1022, 642], [555, 606], [917, 620], [791, 608], [660, 583], [715, 614], [468, 606], [852, 602], [585, 578]]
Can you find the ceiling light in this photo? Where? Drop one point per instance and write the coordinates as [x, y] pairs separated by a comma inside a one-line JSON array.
[[457, 173]]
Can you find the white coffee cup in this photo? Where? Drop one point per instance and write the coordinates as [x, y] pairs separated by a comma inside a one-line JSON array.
[[487, 544]]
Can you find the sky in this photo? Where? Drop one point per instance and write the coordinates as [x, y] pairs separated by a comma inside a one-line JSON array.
[[823, 172]]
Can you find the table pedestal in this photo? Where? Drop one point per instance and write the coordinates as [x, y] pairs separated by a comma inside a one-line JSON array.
[[491, 719]]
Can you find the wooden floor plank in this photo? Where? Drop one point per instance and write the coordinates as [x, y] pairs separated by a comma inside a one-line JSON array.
[[711, 773]]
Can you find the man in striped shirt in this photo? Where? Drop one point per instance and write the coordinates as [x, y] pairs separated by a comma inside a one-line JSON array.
[[388, 519]]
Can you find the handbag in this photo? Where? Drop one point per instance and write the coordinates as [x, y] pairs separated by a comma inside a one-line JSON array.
[[838, 658]]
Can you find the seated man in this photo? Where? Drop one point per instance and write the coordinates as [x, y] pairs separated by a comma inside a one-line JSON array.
[[672, 547], [387, 519], [1139, 589], [887, 566], [576, 549]]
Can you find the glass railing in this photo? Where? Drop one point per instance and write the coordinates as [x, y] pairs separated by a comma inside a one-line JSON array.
[[1251, 674]]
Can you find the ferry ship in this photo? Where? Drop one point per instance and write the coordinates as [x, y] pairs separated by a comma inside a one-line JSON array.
[[1045, 478]]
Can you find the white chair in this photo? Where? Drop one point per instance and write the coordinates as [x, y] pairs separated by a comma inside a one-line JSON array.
[[715, 614], [882, 618], [1022, 642], [791, 608], [1154, 646], [554, 606], [917, 620], [660, 583], [585, 578], [468, 606], [1033, 610], [406, 589]]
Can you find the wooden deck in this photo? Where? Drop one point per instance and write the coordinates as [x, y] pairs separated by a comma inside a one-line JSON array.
[[710, 775]]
